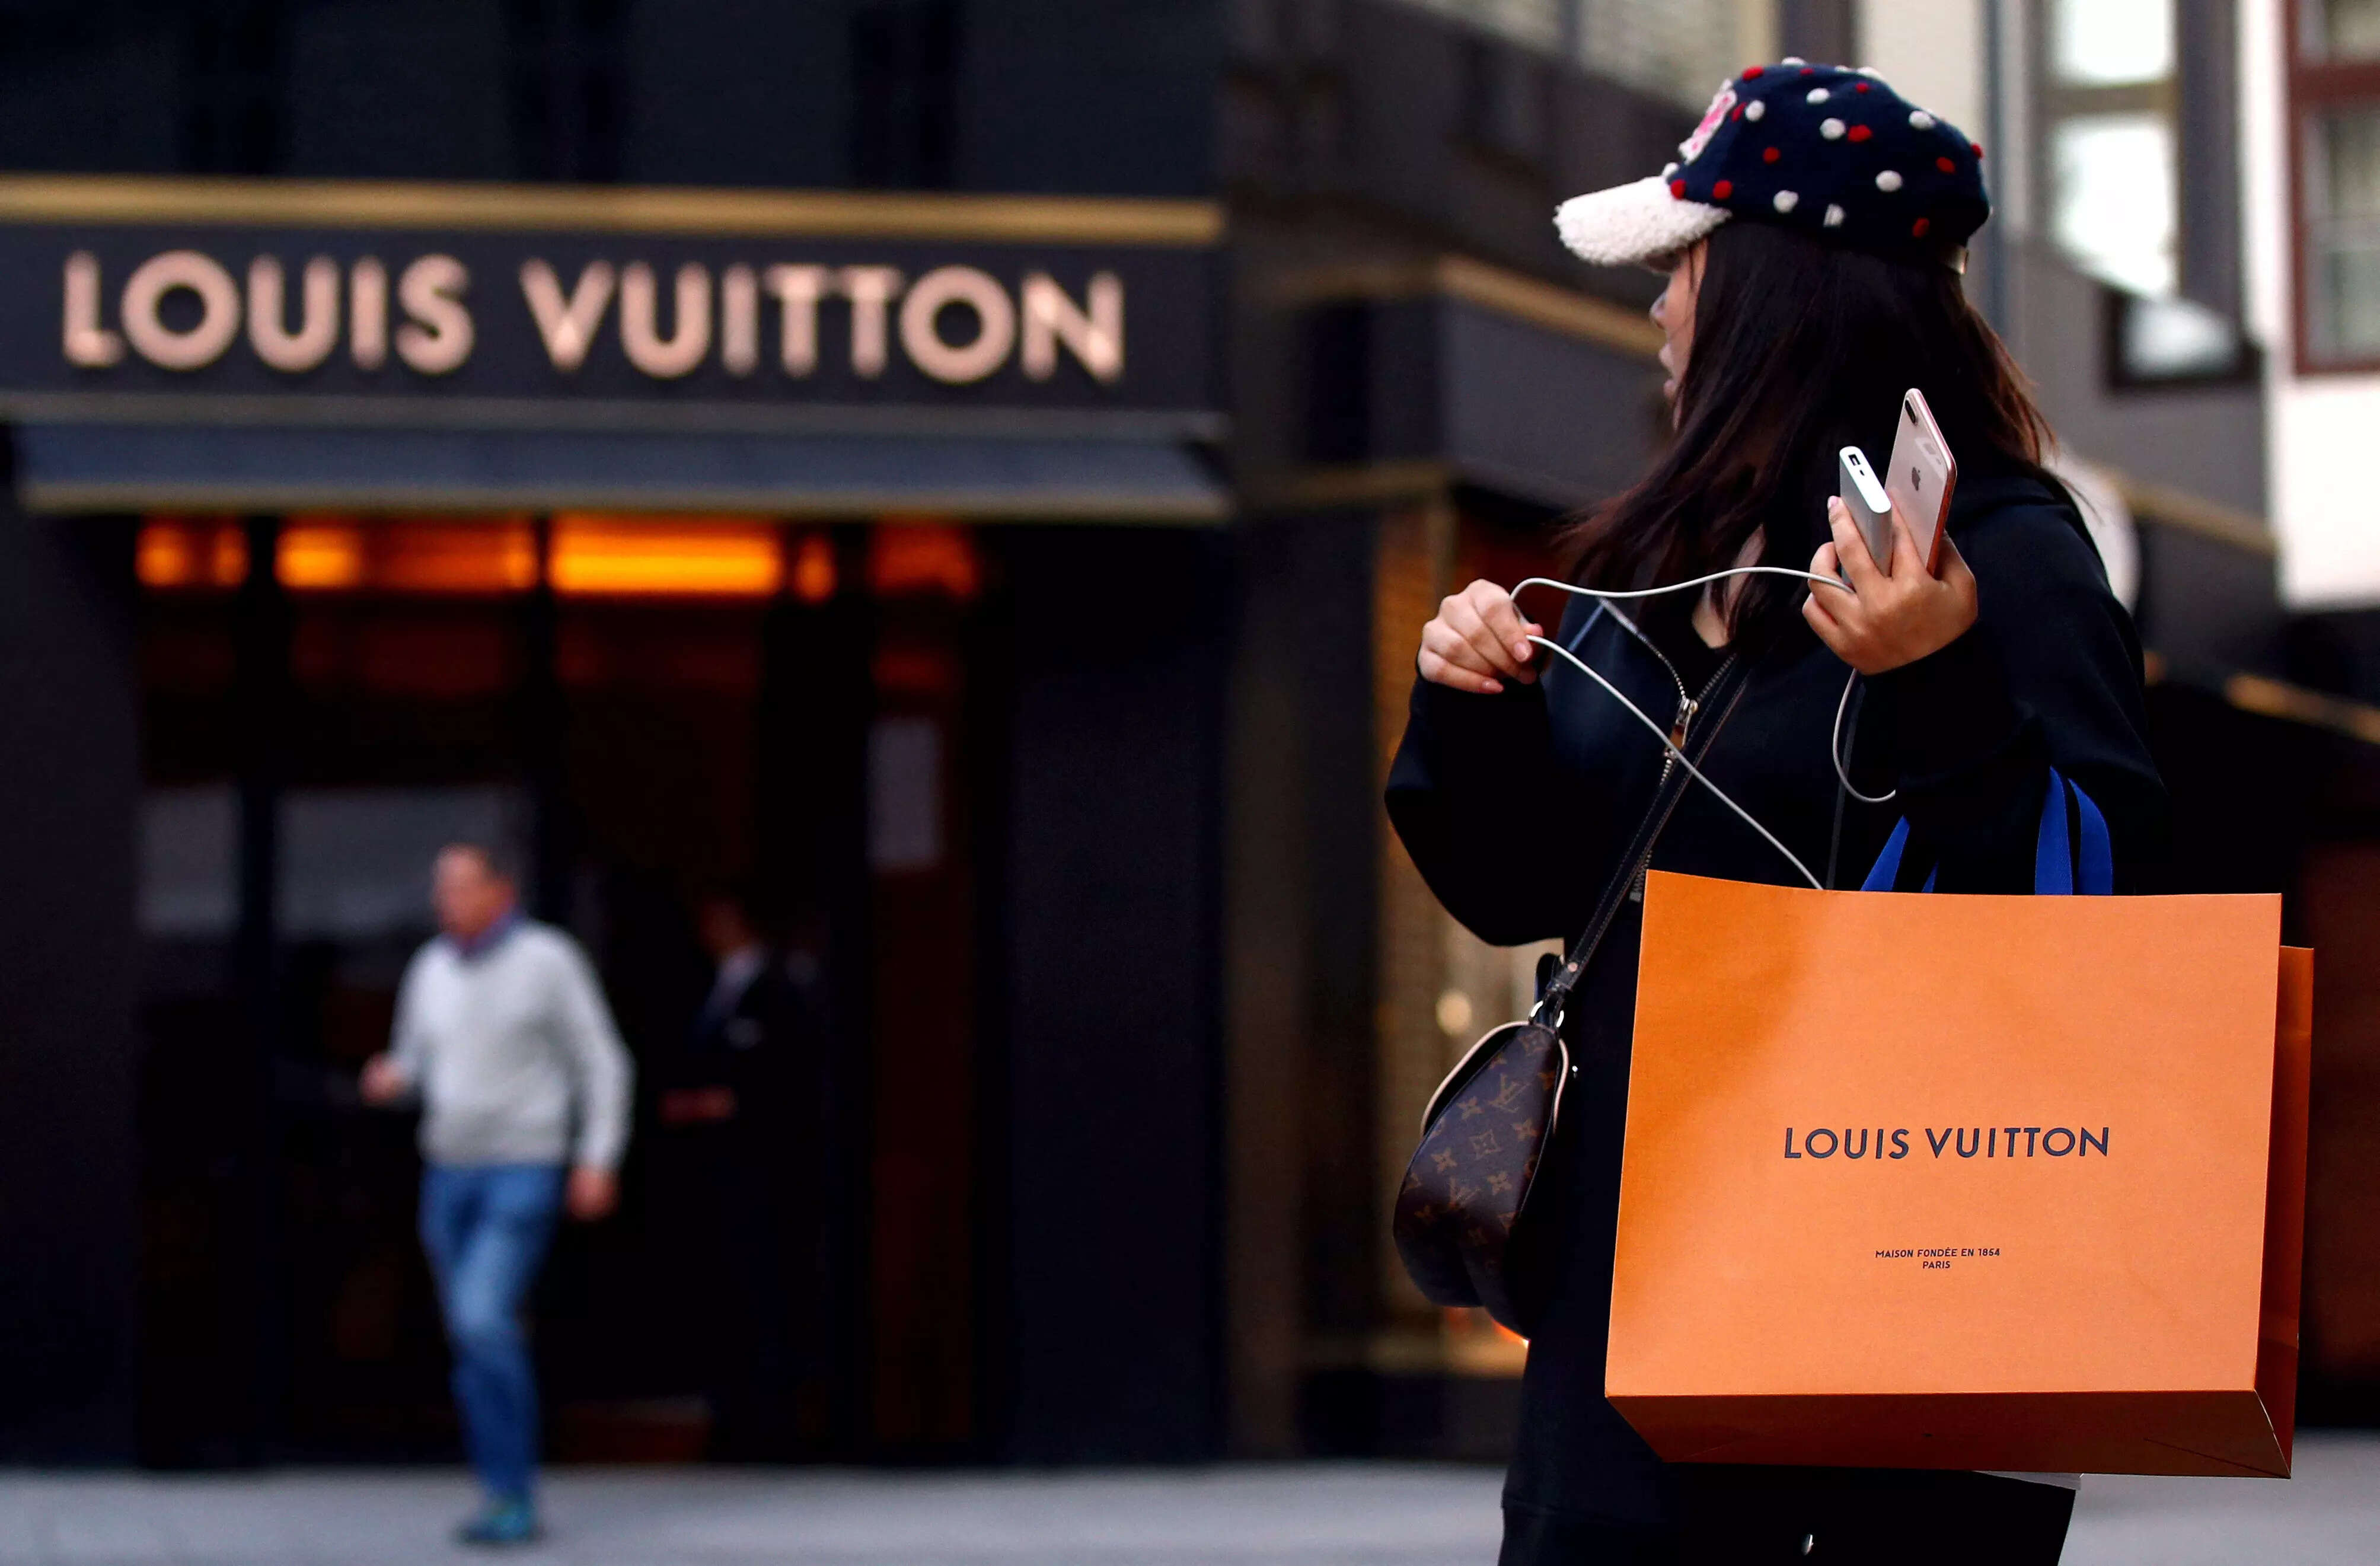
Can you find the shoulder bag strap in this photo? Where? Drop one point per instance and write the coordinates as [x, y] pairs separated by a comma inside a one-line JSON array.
[[1727, 688]]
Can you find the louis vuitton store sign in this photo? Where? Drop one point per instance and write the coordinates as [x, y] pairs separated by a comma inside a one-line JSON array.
[[272, 342], [183, 310]]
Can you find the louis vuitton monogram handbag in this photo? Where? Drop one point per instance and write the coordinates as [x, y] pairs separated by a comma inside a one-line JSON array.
[[1466, 1187]]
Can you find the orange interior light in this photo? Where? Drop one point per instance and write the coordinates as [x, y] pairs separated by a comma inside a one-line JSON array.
[[330, 552], [496, 554], [321, 553], [165, 555], [407, 555], [190, 552], [696, 556], [814, 568], [913, 557]]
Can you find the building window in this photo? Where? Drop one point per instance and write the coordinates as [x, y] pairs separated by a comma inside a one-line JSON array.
[[2335, 100], [2154, 342], [1538, 23], [2110, 144], [1680, 49]]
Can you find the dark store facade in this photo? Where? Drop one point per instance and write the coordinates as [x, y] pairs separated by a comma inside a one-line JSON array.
[[969, 471], [678, 541]]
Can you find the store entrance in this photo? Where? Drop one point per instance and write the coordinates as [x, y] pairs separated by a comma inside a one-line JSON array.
[[654, 716]]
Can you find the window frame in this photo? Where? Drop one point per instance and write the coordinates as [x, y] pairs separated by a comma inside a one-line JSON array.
[[2057, 101], [2313, 88], [2246, 368]]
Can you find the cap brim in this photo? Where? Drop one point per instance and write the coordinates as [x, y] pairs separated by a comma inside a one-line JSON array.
[[1631, 225]]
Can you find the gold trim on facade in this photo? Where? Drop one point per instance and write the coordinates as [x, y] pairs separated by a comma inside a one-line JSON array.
[[2277, 699], [1338, 487], [2167, 506], [1543, 304], [99, 497], [2269, 697], [1546, 305], [412, 204]]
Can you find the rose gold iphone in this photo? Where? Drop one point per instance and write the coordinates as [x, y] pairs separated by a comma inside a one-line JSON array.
[[1922, 477]]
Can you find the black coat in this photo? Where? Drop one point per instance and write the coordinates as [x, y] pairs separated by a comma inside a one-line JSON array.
[[1515, 807], [735, 1200]]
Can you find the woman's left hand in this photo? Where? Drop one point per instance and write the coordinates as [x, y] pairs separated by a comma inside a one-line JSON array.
[[1888, 618]]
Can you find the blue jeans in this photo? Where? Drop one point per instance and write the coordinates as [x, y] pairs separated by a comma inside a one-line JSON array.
[[486, 1228]]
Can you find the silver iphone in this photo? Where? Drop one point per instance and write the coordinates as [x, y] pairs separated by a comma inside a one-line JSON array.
[[1868, 504]]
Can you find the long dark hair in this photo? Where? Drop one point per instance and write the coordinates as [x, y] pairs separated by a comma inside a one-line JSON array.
[[1800, 348]]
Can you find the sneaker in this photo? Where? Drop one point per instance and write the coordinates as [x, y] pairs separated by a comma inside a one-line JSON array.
[[504, 1521]]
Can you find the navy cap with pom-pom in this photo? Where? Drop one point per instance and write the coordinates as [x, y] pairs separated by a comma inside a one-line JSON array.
[[1826, 150]]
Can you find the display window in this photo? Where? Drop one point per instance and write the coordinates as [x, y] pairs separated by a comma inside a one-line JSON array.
[[648, 713]]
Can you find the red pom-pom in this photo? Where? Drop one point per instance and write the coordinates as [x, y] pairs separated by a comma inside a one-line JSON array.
[[1945, 166], [1737, 113], [1678, 188], [1809, 70], [1753, 72], [1976, 148], [1860, 133], [1859, 87], [1917, 230], [1771, 155], [1722, 190]]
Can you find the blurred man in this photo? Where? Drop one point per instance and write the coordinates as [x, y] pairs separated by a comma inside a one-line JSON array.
[[502, 1031], [743, 1023], [735, 1139]]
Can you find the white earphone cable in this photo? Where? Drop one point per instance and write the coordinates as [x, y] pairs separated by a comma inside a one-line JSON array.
[[1835, 740], [1573, 587], [1680, 757], [1835, 749]]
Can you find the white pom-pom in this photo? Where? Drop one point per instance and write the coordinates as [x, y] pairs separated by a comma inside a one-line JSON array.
[[1887, 180], [1669, 169], [1832, 129], [1834, 218], [1817, 96], [1792, 60], [1871, 70], [1920, 120], [1754, 109], [1786, 200]]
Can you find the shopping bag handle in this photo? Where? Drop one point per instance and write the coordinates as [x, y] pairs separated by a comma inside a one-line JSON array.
[[2055, 862]]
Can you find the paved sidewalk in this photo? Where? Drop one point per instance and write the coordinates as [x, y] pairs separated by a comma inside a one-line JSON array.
[[1307, 1514]]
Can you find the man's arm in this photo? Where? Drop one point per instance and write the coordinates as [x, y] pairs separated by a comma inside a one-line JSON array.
[[397, 1072], [605, 1076]]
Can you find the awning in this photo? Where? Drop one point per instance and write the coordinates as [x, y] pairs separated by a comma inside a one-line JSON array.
[[119, 468]]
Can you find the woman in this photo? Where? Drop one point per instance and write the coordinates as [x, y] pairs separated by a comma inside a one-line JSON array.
[[1811, 236]]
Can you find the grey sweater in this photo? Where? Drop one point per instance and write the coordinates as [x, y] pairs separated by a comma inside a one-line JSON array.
[[513, 1052]]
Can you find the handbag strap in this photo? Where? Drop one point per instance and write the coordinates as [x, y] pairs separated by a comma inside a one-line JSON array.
[[1727, 688], [2062, 865]]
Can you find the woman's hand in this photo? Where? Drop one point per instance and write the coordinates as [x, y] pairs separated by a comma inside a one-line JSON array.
[[1888, 619], [1478, 641]]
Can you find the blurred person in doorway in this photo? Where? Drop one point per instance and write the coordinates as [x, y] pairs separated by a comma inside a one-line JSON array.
[[502, 1033], [732, 1109]]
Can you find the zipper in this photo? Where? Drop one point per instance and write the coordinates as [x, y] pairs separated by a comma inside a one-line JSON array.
[[1648, 834], [1688, 704], [1687, 707]]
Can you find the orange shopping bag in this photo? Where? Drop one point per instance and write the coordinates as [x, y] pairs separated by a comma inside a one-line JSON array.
[[1956, 1182]]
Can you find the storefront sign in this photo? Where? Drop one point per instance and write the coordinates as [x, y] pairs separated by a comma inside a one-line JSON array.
[[110, 318]]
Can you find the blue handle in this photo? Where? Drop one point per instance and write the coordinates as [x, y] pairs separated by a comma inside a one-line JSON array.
[[2054, 870]]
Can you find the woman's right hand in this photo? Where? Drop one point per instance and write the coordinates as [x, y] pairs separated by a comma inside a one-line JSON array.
[[1478, 641]]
